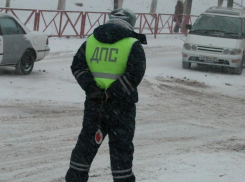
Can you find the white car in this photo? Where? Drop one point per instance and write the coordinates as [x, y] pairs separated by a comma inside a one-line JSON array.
[[217, 38], [19, 46]]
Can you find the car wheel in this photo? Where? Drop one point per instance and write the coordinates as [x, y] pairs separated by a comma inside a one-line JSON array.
[[186, 65], [25, 65], [238, 70]]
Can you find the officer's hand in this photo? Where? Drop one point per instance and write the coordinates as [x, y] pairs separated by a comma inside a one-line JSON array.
[[95, 93]]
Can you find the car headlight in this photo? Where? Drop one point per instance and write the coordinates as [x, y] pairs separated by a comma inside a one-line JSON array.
[[194, 47], [187, 46], [226, 51], [190, 47], [232, 51], [235, 51]]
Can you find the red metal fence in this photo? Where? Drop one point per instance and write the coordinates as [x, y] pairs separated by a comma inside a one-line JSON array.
[[168, 22], [81, 24], [60, 23], [92, 20]]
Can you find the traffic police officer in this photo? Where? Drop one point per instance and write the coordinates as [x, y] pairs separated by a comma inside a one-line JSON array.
[[109, 66]]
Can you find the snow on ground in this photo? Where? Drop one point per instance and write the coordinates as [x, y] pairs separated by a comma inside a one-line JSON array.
[[190, 123]]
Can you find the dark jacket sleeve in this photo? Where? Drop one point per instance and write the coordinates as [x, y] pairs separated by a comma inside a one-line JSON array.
[[81, 72], [126, 85]]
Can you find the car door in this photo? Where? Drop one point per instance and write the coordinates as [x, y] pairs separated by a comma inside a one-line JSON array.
[[243, 39], [15, 42], [1, 47]]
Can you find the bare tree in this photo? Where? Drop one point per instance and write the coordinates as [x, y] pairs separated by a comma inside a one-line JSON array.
[[230, 3], [153, 6], [61, 5], [7, 3], [220, 3]]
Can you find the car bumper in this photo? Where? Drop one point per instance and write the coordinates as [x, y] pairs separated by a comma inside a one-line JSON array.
[[42, 53], [47, 51], [222, 60]]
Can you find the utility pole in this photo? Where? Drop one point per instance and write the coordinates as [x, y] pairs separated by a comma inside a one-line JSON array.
[[220, 3], [241, 2], [187, 7], [230, 3], [7, 4], [115, 4], [61, 5], [187, 12], [120, 3], [153, 6]]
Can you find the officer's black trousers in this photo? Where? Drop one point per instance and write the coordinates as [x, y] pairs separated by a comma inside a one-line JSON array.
[[118, 121]]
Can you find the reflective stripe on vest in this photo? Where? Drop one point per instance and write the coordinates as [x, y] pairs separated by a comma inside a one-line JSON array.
[[107, 62]]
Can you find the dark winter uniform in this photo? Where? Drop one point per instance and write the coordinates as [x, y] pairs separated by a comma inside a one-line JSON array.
[[179, 8], [117, 112]]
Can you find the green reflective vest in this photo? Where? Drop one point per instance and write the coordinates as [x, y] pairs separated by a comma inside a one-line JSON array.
[[107, 62]]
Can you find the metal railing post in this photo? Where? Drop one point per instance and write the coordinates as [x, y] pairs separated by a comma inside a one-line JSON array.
[[61, 15], [83, 23], [36, 20], [156, 26]]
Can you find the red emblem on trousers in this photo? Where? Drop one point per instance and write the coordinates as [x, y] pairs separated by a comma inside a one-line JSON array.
[[98, 137]]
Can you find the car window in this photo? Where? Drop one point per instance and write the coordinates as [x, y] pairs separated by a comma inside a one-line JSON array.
[[214, 22], [10, 27]]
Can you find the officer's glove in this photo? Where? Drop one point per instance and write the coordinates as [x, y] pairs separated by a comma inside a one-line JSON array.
[[95, 93]]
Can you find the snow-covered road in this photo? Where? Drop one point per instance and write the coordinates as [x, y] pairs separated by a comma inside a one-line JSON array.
[[190, 123]]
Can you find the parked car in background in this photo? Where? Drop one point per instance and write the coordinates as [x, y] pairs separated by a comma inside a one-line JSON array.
[[217, 38], [19, 46]]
